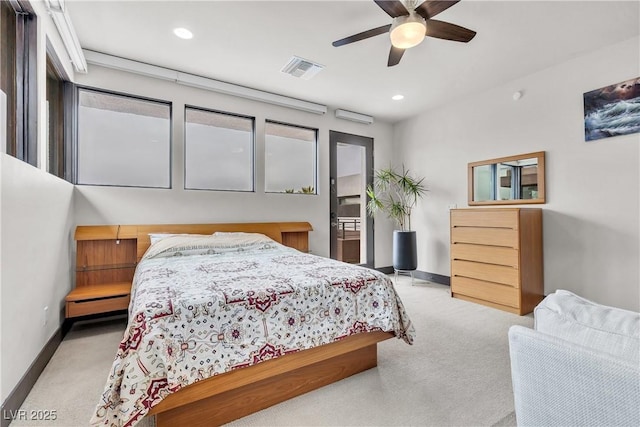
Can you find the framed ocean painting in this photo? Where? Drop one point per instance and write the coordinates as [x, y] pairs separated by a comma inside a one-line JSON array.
[[612, 110]]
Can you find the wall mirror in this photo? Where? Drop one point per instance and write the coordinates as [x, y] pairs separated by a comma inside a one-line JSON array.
[[507, 180]]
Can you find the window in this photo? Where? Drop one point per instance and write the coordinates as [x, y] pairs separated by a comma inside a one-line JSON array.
[[290, 158], [510, 180], [218, 151], [18, 79], [55, 121], [123, 141], [8, 70]]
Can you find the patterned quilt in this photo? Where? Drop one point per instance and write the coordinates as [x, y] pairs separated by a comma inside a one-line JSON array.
[[205, 305]]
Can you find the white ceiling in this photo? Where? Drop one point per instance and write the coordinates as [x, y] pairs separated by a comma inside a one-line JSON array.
[[248, 42]]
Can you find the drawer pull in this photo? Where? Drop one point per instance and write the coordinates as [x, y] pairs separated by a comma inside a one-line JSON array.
[[100, 298]]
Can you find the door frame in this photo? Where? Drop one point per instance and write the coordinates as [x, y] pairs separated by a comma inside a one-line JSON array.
[[367, 143]]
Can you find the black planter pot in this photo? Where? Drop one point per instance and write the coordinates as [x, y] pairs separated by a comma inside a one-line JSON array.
[[405, 252]]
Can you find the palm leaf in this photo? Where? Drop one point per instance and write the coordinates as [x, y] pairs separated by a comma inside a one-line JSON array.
[[395, 194]]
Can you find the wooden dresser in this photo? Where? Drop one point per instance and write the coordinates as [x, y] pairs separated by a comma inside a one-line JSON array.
[[496, 257]]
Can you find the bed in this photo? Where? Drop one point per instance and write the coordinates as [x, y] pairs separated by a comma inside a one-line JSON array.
[[223, 325]]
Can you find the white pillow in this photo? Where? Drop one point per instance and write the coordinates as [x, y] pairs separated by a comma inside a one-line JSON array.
[[156, 237], [195, 244], [608, 329], [236, 233]]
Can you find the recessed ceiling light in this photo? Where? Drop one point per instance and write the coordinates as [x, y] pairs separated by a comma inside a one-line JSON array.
[[183, 33], [397, 97]]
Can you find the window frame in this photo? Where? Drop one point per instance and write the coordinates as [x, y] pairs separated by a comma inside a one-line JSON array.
[[56, 149], [315, 154], [8, 71], [75, 103], [253, 148], [22, 102]]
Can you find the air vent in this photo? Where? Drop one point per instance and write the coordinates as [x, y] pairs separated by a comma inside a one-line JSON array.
[[302, 68]]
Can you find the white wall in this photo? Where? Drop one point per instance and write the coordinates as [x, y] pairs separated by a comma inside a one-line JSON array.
[[3, 141], [591, 216], [35, 229], [37, 224], [113, 205]]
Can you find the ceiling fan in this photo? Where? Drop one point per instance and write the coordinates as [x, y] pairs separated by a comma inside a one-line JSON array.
[[411, 23]]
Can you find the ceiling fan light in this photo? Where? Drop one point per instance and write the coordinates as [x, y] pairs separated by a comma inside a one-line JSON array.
[[407, 31], [183, 33]]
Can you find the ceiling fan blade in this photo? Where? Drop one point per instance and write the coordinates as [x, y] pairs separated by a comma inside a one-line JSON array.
[[447, 31], [393, 8], [395, 55], [431, 8], [363, 35]]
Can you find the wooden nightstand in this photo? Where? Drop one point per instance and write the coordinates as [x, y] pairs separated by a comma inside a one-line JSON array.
[[105, 262], [93, 299]]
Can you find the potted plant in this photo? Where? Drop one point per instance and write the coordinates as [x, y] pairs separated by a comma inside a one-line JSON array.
[[396, 194]]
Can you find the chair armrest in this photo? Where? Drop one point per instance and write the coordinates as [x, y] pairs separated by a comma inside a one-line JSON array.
[[558, 383]]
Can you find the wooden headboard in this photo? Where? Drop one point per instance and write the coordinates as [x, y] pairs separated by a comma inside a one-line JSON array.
[[108, 253], [292, 234]]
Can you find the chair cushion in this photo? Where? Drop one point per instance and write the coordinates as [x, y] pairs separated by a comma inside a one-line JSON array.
[[611, 330]]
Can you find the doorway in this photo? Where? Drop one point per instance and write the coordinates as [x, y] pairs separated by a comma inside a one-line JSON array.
[[350, 172]]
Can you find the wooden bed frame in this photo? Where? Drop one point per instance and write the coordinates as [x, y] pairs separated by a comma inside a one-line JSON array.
[[232, 395]]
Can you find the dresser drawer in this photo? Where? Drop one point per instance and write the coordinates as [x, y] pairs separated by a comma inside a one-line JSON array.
[[494, 218], [487, 272], [485, 236], [102, 305], [487, 291], [487, 254]]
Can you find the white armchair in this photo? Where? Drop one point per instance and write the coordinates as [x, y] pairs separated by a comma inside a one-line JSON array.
[[579, 367]]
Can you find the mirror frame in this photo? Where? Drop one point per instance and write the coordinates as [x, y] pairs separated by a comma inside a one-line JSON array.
[[541, 186]]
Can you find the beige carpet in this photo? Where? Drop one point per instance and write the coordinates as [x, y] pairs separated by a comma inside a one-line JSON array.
[[456, 374]]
